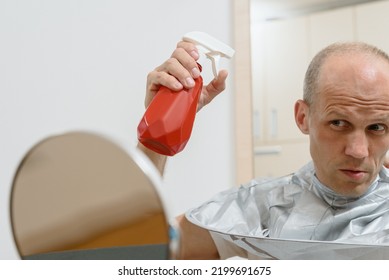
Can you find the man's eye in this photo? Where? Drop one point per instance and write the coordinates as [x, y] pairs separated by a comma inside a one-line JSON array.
[[377, 127], [338, 123]]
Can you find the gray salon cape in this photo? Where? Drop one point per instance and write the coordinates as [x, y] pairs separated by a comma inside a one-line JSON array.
[[297, 217]]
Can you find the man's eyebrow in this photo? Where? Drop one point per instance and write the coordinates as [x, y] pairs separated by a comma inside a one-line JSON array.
[[381, 118], [337, 114]]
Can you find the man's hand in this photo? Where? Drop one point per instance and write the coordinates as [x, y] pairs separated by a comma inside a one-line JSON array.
[[179, 71]]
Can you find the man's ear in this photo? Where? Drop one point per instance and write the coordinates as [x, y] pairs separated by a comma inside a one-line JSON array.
[[301, 116]]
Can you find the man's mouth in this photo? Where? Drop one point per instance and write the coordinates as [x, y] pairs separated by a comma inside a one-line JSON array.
[[354, 174]]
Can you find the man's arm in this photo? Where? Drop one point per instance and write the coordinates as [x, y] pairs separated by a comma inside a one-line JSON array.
[[178, 72], [158, 159], [196, 242]]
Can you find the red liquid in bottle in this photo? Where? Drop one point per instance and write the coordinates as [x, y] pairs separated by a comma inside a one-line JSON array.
[[167, 123]]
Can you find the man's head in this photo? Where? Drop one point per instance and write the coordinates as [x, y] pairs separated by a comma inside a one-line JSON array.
[[345, 111]]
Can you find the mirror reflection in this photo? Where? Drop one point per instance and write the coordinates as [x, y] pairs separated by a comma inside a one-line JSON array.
[[80, 196]]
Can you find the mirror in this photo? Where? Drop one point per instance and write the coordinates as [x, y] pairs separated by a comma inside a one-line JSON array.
[[80, 196]]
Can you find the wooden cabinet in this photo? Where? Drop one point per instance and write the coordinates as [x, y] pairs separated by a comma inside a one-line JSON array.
[[286, 57], [279, 160], [329, 27], [372, 24], [280, 56]]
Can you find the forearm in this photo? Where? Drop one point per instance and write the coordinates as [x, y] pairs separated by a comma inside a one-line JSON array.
[[158, 159], [196, 242]]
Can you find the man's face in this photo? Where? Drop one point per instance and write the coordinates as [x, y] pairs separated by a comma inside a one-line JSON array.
[[348, 122]]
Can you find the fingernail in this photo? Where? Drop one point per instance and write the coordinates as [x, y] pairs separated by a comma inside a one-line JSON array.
[[194, 54], [195, 73], [189, 82], [177, 85]]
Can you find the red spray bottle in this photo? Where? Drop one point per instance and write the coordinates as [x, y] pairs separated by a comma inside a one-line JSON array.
[[167, 123]]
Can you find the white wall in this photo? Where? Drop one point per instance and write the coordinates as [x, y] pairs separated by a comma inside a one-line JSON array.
[[82, 65]]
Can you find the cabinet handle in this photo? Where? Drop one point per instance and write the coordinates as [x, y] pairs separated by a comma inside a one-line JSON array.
[[267, 150], [273, 123], [256, 124]]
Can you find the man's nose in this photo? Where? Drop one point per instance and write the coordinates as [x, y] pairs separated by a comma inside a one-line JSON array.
[[357, 145]]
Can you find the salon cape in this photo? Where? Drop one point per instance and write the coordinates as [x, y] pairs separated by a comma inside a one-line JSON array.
[[297, 217]]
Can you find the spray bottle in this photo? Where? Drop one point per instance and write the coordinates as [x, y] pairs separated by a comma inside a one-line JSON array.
[[167, 123]]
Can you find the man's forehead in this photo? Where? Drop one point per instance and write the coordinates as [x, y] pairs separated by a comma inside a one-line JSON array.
[[355, 59], [357, 68], [348, 104]]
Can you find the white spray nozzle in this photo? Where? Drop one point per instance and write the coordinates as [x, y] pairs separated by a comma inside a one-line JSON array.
[[211, 47]]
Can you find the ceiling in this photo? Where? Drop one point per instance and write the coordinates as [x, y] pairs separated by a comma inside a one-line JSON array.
[[274, 9]]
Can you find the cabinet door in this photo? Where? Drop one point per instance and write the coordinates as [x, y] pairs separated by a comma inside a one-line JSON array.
[[329, 27], [279, 160], [372, 24], [286, 57], [258, 79]]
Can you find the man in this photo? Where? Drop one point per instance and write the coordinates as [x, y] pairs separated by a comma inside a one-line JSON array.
[[341, 196]]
